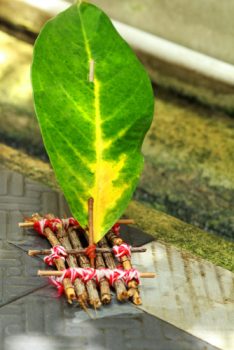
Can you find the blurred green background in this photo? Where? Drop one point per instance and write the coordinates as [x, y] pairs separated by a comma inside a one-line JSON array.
[[189, 158]]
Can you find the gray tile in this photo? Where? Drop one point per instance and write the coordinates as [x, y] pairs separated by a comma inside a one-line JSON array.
[[4, 176], [18, 273], [16, 184], [41, 321]]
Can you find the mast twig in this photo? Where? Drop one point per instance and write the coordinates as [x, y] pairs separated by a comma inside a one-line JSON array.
[[91, 234], [84, 262]]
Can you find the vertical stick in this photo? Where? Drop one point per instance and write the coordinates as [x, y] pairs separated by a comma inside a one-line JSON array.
[[119, 285], [90, 219], [79, 285], [133, 291], [84, 262]]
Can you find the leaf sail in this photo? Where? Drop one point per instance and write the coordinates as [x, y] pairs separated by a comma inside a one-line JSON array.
[[92, 130]]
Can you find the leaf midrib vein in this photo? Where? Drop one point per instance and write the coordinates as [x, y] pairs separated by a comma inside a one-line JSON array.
[[98, 131]]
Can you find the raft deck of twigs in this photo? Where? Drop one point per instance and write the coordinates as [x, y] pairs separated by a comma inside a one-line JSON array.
[[87, 273]]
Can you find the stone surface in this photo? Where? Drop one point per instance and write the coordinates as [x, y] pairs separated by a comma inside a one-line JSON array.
[[190, 293], [42, 322], [18, 273], [170, 230], [21, 198], [189, 169]]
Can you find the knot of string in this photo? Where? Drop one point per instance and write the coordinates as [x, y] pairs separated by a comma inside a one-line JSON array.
[[90, 251], [41, 225], [122, 250], [116, 229], [57, 252]]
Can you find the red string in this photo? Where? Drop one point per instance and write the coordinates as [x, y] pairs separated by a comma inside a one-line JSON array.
[[58, 285], [40, 225], [73, 222], [88, 274], [116, 229], [52, 224], [90, 251], [122, 250]]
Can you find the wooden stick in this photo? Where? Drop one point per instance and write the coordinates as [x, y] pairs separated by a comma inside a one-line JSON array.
[[120, 221], [72, 262], [126, 221], [84, 262], [47, 273], [90, 220], [82, 251], [133, 291], [68, 287], [119, 285], [103, 283]]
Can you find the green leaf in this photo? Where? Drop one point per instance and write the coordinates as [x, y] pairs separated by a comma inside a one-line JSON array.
[[92, 130]]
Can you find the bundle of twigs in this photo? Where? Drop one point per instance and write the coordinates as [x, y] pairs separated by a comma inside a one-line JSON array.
[[75, 241]]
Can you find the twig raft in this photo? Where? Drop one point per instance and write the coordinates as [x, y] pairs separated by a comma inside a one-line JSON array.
[[66, 232]]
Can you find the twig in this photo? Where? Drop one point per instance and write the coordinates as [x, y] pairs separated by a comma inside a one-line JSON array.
[[82, 251], [72, 262], [46, 273], [103, 283], [30, 224], [133, 291], [119, 285], [90, 219], [84, 262]]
